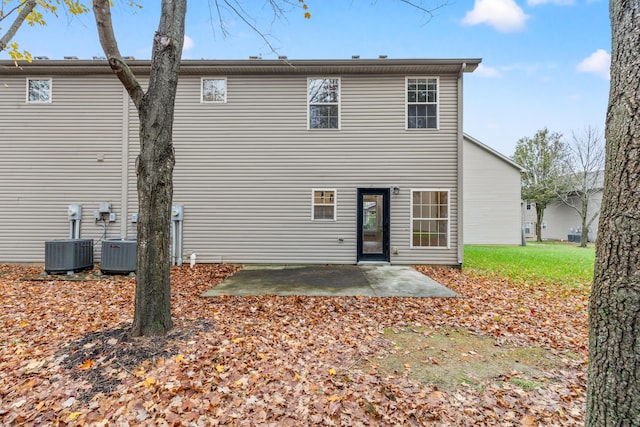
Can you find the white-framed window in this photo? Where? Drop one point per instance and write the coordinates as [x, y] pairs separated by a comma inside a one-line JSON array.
[[323, 96], [422, 102], [39, 90], [323, 205], [528, 206], [213, 90], [527, 228], [430, 225]]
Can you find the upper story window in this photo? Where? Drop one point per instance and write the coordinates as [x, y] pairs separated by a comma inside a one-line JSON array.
[[422, 103], [324, 103], [214, 90], [324, 205], [38, 91], [430, 218]]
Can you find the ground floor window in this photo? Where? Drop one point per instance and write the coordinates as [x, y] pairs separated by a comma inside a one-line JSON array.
[[527, 228], [323, 205], [429, 218]]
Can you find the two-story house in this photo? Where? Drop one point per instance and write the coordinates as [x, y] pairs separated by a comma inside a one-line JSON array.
[[277, 161]]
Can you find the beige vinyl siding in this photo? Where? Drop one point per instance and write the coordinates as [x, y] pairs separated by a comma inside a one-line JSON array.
[[244, 169], [492, 212], [50, 160]]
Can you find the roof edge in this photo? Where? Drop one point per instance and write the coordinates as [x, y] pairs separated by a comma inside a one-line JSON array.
[[492, 151], [261, 66]]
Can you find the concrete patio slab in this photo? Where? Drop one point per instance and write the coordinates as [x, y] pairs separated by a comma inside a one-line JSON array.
[[330, 280]]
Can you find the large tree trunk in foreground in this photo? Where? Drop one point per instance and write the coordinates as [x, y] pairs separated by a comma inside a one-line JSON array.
[[154, 166], [613, 389]]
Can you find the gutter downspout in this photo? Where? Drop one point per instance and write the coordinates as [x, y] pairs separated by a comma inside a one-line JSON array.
[[124, 168], [460, 167]]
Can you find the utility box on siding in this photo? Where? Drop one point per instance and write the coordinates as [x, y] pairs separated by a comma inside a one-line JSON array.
[[68, 256], [118, 256]]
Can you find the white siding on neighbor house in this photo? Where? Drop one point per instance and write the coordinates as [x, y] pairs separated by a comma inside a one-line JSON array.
[[492, 213], [244, 169], [559, 220], [50, 159]]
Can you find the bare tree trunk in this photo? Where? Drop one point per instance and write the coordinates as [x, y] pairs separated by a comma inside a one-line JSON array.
[[584, 236], [154, 166], [613, 388], [539, 218], [584, 226], [152, 315]]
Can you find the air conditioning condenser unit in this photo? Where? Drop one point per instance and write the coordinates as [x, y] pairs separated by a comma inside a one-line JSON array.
[[68, 256], [118, 256]]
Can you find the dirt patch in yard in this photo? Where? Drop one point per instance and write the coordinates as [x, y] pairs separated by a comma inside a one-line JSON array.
[[458, 358]]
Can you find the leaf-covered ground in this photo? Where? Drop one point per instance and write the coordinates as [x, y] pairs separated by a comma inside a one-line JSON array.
[[67, 357]]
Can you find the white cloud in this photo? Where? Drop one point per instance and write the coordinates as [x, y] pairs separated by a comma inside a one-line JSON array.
[[490, 72], [558, 2], [598, 63], [188, 43], [504, 15]]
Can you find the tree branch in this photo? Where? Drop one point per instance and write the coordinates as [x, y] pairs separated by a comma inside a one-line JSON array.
[[430, 12], [102, 12], [242, 15], [28, 6]]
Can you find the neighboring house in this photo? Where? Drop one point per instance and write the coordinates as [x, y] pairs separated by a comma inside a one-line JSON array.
[[491, 193], [277, 161], [562, 222]]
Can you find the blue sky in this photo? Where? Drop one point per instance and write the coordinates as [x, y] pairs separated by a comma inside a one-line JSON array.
[[545, 63]]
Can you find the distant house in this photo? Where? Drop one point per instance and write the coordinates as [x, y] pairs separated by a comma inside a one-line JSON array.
[[277, 161], [562, 222], [492, 202]]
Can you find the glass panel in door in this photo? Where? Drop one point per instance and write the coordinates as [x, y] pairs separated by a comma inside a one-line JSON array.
[[373, 224]]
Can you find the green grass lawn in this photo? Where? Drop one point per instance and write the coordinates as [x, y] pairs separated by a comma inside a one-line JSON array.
[[549, 262]]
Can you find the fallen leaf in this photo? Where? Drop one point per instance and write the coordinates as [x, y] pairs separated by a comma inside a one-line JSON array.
[[528, 421], [435, 395], [70, 401], [34, 366], [88, 364]]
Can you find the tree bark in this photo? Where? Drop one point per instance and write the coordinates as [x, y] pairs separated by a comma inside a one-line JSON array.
[[154, 165], [539, 217], [613, 387]]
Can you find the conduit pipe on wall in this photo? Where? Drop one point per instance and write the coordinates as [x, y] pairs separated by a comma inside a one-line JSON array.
[[177, 219]]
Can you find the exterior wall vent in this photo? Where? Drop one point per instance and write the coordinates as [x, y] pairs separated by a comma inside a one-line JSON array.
[[68, 256], [118, 256]]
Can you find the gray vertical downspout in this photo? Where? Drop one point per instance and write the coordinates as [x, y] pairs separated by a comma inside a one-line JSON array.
[[124, 168], [460, 167]]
